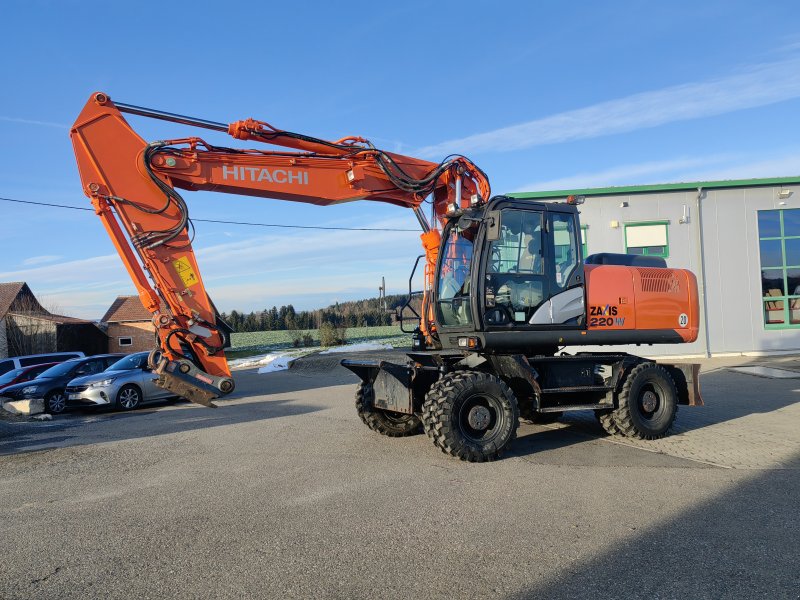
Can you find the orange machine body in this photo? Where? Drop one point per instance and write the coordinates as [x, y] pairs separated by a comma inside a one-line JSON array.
[[620, 298]]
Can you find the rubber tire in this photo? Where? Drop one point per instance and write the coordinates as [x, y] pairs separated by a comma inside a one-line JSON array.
[[386, 423], [125, 388], [629, 417], [441, 415], [606, 420], [49, 398]]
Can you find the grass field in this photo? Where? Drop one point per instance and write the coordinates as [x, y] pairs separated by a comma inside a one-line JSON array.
[[256, 342]]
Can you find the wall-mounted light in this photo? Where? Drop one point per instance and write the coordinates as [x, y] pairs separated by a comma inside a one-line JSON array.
[[614, 224], [783, 194], [623, 204]]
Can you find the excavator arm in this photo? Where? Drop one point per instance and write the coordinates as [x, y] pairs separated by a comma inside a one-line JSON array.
[[132, 185]]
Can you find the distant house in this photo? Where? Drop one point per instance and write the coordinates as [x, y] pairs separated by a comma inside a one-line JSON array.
[[129, 326], [26, 327]]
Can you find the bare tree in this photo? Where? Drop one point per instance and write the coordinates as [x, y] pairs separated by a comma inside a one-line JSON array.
[[30, 328]]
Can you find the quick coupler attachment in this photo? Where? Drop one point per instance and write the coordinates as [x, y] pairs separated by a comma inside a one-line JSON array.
[[184, 379]]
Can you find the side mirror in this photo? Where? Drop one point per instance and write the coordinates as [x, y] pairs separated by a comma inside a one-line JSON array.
[[493, 225]]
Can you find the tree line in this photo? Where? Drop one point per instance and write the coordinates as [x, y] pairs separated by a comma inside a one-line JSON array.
[[372, 312]]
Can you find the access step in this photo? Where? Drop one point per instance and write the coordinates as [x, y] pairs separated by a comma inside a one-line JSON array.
[[551, 409], [576, 388]]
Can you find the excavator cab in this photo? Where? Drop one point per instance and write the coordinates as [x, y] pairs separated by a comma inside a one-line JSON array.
[[513, 267]]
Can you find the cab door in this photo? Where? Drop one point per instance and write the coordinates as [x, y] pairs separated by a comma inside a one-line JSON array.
[[566, 305], [533, 273]]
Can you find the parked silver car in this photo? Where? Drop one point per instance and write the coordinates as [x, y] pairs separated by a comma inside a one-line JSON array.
[[125, 384]]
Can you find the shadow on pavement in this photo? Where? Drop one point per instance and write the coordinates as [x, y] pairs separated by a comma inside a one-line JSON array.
[[727, 395], [733, 546], [77, 430]]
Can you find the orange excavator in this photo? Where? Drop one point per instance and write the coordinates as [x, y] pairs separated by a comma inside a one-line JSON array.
[[505, 286]]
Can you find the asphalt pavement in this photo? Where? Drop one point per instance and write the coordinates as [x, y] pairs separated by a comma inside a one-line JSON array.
[[282, 492]]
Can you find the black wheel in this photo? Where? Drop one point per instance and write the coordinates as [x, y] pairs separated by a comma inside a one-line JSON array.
[[55, 402], [470, 415], [129, 397], [647, 403], [386, 422], [606, 420]]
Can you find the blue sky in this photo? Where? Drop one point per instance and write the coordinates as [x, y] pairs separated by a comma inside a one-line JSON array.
[[542, 95]]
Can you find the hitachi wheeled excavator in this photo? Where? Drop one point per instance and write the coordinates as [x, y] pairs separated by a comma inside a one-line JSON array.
[[506, 288]]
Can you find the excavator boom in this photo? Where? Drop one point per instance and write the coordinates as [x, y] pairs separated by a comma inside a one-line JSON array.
[[132, 185]]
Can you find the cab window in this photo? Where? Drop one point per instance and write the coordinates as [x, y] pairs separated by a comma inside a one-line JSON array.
[[564, 249], [515, 284], [452, 293]]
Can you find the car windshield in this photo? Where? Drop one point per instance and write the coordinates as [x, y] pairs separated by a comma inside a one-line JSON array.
[[134, 361], [11, 376], [58, 370]]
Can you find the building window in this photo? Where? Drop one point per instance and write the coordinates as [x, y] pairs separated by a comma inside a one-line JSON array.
[[584, 241], [126, 341], [779, 249], [648, 239]]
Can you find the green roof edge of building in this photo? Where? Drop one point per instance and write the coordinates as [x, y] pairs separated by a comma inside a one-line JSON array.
[[659, 187]]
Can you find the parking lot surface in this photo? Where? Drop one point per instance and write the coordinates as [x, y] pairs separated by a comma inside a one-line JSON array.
[[283, 493]]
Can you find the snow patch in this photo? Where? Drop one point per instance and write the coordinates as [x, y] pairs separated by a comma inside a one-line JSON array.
[[362, 347], [279, 362], [267, 362]]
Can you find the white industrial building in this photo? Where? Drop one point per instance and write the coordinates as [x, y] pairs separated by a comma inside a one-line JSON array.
[[741, 238]]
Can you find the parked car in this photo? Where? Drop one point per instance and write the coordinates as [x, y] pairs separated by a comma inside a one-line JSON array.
[[17, 362], [23, 374], [51, 383], [125, 385]]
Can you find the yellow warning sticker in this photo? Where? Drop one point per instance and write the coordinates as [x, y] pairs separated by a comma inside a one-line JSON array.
[[185, 271]]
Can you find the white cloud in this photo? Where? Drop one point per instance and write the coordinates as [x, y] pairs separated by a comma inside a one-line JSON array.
[[33, 122], [82, 271], [40, 260], [711, 168], [308, 268], [787, 165], [757, 85], [624, 174]]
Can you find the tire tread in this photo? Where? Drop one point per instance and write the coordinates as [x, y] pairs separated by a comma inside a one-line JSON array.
[[436, 422], [621, 416]]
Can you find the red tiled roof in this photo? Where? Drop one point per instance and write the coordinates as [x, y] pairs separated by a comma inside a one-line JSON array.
[[18, 297], [126, 309], [8, 293]]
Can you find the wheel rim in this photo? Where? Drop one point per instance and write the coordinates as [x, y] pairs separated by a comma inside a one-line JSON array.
[[481, 418], [57, 403], [650, 403], [129, 398]]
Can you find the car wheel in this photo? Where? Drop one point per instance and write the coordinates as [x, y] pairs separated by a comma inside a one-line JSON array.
[[55, 402], [129, 397]]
